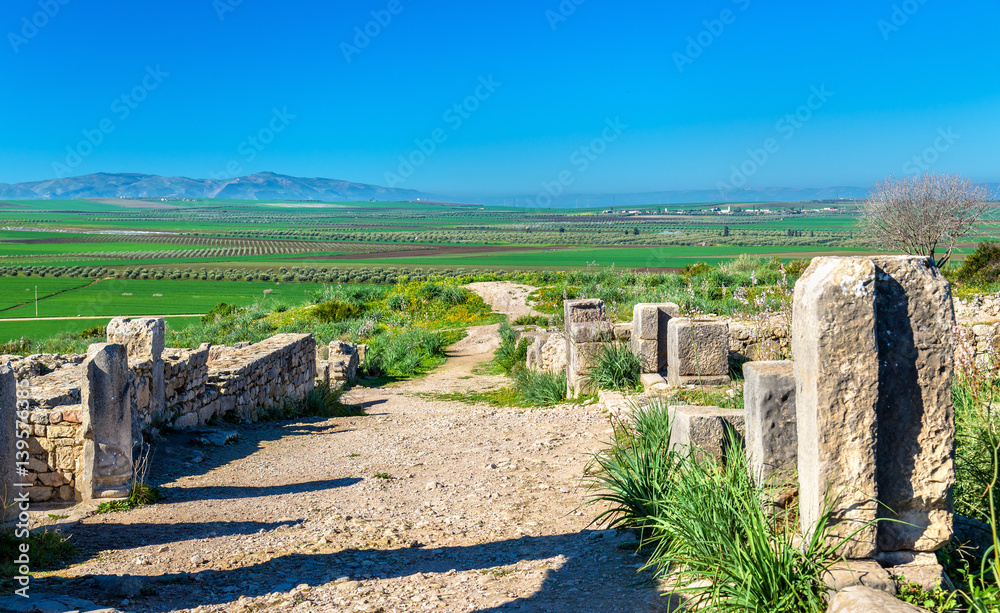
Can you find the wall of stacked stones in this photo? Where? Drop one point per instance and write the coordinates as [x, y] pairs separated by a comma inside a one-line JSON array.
[[264, 375], [194, 390]]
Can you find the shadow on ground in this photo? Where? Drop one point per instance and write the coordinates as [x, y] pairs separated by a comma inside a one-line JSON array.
[[596, 575]]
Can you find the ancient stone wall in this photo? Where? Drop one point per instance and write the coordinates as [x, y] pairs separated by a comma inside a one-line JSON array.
[[264, 375], [195, 390], [185, 372], [547, 353]]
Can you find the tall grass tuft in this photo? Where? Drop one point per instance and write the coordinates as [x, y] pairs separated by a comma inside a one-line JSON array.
[[617, 368], [633, 475], [712, 530], [540, 388], [512, 353]]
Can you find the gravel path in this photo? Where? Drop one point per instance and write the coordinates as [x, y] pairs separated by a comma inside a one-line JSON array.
[[480, 512]]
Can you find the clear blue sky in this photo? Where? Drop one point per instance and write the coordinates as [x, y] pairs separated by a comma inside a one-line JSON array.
[[899, 75]]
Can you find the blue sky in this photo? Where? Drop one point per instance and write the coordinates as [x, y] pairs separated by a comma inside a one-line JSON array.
[[700, 93]]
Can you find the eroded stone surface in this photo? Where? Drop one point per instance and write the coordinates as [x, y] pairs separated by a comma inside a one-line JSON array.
[[861, 599], [107, 423], [710, 429], [836, 396], [696, 348], [769, 404], [8, 424], [916, 424]]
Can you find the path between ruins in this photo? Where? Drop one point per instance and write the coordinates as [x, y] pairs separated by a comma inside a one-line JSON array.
[[481, 512]]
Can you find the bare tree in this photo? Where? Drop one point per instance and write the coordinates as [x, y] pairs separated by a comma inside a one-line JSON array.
[[921, 215]]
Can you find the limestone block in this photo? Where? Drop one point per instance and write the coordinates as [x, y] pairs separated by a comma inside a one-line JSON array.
[[710, 429], [8, 417], [916, 422], [583, 311], [649, 321], [107, 423], [591, 332], [648, 352], [623, 332], [847, 573], [861, 599], [769, 405], [142, 337], [189, 420], [696, 348], [652, 381], [836, 396]]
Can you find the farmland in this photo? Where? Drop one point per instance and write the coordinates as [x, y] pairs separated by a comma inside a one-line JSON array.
[[95, 259]]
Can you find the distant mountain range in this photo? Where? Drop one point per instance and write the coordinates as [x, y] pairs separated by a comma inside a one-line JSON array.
[[260, 186], [271, 186]]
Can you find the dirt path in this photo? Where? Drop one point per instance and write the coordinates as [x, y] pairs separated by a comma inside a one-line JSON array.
[[480, 512], [505, 297]]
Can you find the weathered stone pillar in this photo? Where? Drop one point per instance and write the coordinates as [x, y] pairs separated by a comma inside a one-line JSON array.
[[769, 405], [8, 436], [587, 329], [649, 334], [697, 351], [107, 423], [916, 421], [836, 396], [143, 339]]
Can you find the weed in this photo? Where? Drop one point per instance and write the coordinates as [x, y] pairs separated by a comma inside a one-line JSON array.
[[140, 492], [382, 476], [48, 548]]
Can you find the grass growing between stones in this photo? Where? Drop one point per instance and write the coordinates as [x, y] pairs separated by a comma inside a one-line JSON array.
[[706, 523], [140, 492], [617, 368]]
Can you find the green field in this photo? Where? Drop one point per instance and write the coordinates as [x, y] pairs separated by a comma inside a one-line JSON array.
[[16, 291], [136, 297], [10, 330]]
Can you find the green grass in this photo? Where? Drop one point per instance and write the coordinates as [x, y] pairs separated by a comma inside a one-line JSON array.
[[21, 290], [10, 330], [47, 549], [110, 297]]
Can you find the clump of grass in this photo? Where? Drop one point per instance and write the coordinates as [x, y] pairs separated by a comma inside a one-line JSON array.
[[710, 526], [540, 388], [512, 353], [617, 368], [382, 476], [633, 475], [47, 549], [140, 492], [533, 320]]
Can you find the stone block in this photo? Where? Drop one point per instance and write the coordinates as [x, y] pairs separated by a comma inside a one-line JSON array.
[[709, 380], [845, 573], [8, 436], [653, 382], [648, 352], [588, 310], [916, 423], [623, 332], [186, 421], [696, 348], [836, 397], [142, 337], [107, 423], [649, 321], [711, 429], [591, 332], [769, 405], [862, 599]]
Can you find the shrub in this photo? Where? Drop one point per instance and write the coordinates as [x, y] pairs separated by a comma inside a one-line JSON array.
[[617, 368], [512, 354], [219, 312], [328, 312], [983, 264], [533, 320]]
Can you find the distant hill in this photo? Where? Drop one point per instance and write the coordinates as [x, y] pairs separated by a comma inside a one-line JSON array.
[[271, 186], [260, 186]]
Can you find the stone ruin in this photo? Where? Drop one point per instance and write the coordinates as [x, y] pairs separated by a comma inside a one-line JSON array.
[[587, 329], [340, 364], [88, 413], [864, 413]]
